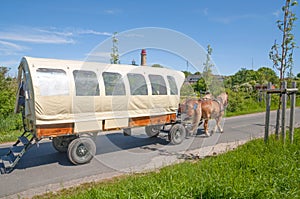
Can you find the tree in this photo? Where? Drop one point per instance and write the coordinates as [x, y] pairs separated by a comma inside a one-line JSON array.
[[244, 76], [157, 66], [115, 51], [200, 85], [267, 75], [283, 60], [207, 70], [298, 75], [186, 73], [8, 88], [213, 83]]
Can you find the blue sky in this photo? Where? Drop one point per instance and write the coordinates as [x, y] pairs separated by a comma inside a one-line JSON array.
[[241, 33]]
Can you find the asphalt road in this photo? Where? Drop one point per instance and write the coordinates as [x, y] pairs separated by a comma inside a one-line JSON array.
[[44, 169]]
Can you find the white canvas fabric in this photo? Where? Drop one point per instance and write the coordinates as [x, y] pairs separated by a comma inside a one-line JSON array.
[[66, 91]]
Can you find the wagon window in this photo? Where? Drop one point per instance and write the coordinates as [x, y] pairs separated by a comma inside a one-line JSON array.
[[114, 84], [52, 82], [86, 83], [173, 86], [158, 85], [137, 84]]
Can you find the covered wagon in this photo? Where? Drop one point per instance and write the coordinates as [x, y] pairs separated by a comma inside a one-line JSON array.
[[71, 101]]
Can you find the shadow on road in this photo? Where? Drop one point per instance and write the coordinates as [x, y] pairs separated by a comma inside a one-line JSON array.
[[45, 154]]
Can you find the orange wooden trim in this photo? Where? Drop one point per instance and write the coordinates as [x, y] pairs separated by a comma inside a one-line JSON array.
[[54, 130], [139, 121], [153, 120]]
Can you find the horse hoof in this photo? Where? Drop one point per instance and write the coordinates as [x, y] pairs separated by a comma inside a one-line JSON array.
[[207, 134]]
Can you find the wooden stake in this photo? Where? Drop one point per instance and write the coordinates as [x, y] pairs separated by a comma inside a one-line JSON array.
[[268, 105], [292, 112], [283, 127]]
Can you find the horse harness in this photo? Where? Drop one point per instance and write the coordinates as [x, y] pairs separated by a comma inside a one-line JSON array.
[[221, 105]]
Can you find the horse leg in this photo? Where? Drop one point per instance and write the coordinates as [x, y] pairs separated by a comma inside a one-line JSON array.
[[218, 120], [206, 127], [196, 119], [195, 126], [215, 127]]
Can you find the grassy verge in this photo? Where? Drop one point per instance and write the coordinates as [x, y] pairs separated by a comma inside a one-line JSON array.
[[254, 170]]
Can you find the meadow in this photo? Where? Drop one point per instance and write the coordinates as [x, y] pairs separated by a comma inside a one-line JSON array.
[[253, 170]]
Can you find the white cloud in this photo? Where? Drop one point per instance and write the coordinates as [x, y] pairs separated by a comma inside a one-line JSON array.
[[133, 35], [230, 19], [93, 32], [5, 44], [9, 48], [112, 11], [35, 35], [98, 56], [276, 13], [11, 37], [46, 35], [53, 30]]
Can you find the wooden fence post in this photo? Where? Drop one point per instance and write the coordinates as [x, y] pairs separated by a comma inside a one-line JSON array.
[[292, 112], [268, 105], [277, 127], [283, 127]]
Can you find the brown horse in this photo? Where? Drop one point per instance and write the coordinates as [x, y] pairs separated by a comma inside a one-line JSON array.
[[206, 109]]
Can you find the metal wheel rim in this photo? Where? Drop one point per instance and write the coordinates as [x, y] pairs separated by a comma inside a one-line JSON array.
[[81, 150], [177, 135]]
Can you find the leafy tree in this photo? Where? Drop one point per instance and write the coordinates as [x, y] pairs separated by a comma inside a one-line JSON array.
[[207, 71], [298, 75], [157, 66], [187, 73], [115, 51], [187, 90], [228, 82], [283, 60], [244, 76], [213, 84], [200, 85], [267, 75], [8, 88]]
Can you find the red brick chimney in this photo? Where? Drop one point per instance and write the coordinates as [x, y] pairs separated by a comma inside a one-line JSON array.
[[143, 57]]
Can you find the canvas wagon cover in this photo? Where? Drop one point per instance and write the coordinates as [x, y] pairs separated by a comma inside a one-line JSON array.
[[58, 91]]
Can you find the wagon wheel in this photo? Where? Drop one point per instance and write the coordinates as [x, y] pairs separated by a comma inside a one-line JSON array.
[[61, 143], [177, 134], [81, 150], [153, 131]]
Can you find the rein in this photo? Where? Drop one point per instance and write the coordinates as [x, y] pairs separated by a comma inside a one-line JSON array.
[[221, 104]]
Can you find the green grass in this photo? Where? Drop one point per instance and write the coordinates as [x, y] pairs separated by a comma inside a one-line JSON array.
[[254, 170]]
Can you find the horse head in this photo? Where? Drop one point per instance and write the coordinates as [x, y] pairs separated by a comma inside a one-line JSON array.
[[223, 97]]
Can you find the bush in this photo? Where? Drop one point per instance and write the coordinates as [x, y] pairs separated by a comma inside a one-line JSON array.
[[11, 122], [10, 127]]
